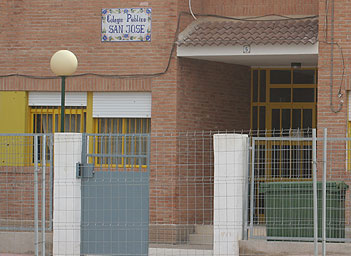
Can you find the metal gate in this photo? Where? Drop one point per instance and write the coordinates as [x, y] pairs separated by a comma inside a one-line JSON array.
[[299, 189], [115, 194]]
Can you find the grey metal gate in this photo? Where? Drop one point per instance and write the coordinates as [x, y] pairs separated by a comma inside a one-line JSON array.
[[115, 194], [299, 189]]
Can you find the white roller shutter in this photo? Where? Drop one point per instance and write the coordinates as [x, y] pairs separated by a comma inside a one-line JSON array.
[[72, 99], [122, 104]]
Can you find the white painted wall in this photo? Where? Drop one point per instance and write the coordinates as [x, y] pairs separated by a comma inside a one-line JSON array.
[[230, 168], [259, 55], [67, 194]]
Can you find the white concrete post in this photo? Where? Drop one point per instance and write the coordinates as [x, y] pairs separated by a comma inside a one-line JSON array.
[[230, 166], [67, 194]]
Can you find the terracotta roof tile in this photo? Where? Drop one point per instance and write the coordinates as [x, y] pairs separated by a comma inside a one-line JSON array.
[[207, 31]]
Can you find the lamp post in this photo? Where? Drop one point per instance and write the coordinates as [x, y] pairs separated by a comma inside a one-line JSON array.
[[63, 63]]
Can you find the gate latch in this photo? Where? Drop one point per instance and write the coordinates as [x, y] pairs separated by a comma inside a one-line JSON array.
[[84, 171]]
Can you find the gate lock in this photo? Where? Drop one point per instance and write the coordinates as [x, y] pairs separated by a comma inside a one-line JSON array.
[[84, 170]]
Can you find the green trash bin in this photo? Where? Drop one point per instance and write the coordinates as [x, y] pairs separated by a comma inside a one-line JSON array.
[[289, 209]]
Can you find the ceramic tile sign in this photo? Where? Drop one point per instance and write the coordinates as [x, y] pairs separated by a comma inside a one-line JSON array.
[[126, 25]]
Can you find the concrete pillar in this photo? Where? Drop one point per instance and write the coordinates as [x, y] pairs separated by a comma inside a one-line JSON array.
[[230, 167], [67, 194]]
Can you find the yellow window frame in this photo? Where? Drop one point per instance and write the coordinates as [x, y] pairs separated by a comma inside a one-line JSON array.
[[348, 162], [268, 106], [56, 112]]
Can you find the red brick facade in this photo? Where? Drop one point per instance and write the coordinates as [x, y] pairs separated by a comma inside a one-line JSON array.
[[191, 95], [212, 96]]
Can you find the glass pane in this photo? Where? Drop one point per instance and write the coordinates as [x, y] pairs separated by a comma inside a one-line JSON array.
[[127, 125], [296, 153], [276, 161], [47, 123], [296, 119], [280, 94], [285, 161], [286, 119], [145, 127], [262, 119], [138, 126], [56, 122], [303, 95], [254, 118], [304, 77], [280, 77], [263, 86], [72, 122], [255, 86], [42, 123], [107, 122], [84, 122], [102, 126], [307, 118], [132, 126], [276, 119], [307, 163]]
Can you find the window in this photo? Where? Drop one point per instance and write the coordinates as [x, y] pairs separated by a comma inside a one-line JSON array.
[[48, 120], [122, 141]]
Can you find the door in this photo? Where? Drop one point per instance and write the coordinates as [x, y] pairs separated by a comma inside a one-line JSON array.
[[283, 105]]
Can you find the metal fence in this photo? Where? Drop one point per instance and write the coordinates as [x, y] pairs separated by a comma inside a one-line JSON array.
[[299, 189], [158, 194], [26, 169], [159, 185]]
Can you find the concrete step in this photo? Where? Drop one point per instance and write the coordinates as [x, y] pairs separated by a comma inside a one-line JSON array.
[[200, 239], [204, 229]]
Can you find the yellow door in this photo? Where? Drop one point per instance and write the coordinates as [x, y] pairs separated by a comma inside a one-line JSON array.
[[283, 103]]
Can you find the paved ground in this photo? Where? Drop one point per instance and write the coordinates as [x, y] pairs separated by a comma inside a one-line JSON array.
[[10, 254]]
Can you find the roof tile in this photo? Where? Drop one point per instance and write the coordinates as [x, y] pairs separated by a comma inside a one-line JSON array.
[[218, 32]]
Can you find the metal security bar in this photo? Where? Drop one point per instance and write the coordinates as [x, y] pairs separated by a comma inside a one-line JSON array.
[[115, 151], [48, 119]]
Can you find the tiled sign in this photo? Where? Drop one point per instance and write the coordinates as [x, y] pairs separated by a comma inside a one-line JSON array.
[[126, 24]]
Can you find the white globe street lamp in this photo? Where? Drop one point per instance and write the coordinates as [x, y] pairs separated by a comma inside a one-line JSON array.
[[63, 63]]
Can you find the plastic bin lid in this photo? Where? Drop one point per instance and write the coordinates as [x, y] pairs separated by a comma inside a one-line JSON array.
[[332, 186]]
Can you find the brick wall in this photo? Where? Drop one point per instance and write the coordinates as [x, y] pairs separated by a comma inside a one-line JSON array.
[[17, 197], [326, 117], [213, 96], [34, 30], [259, 7]]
